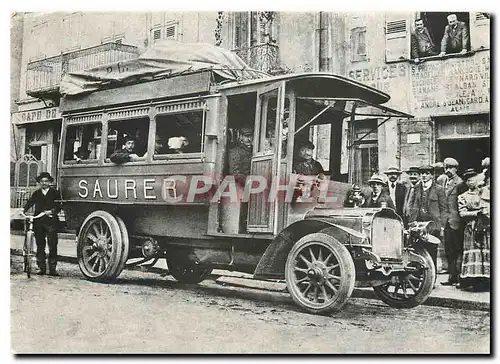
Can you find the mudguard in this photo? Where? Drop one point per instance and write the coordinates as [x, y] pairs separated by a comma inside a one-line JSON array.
[[272, 263]]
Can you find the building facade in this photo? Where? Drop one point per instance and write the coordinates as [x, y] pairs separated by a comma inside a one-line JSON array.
[[449, 96]]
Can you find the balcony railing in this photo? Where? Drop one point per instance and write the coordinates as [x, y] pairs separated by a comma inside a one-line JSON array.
[[44, 76], [262, 57]]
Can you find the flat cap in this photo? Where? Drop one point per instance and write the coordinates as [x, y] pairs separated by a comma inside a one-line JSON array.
[[438, 165], [450, 162], [426, 168], [305, 144], [246, 131], [413, 169]]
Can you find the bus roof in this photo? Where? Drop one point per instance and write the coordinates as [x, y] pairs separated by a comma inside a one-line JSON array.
[[319, 84]]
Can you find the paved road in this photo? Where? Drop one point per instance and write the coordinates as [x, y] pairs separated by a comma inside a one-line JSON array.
[[147, 313]]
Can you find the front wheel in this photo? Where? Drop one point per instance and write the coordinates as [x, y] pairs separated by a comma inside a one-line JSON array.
[[320, 273], [411, 289]]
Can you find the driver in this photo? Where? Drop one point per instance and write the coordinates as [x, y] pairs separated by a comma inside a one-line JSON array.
[[304, 163]]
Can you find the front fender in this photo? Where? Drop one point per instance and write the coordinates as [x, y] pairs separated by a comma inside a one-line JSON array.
[[272, 263]]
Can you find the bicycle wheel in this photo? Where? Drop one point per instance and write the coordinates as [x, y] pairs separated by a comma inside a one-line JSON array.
[[28, 258]]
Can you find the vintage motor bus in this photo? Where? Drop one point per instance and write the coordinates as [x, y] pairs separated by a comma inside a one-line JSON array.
[[181, 205]]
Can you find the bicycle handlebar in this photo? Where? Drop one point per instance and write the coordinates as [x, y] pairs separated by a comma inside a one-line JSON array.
[[31, 217]]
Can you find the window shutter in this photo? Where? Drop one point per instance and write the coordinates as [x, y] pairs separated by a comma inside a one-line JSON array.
[[480, 31], [156, 34], [171, 32], [396, 39]]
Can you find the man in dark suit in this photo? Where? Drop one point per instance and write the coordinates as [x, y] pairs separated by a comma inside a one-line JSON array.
[[414, 177], [45, 200], [422, 44], [455, 38], [379, 197], [453, 229], [397, 190], [429, 204]]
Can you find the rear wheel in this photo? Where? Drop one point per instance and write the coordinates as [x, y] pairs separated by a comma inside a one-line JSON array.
[[320, 273], [100, 247], [186, 271], [412, 288]]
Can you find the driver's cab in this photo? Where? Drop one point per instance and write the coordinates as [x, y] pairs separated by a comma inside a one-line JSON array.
[[290, 169]]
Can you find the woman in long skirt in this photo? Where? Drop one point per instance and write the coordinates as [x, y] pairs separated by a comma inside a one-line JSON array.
[[475, 272]]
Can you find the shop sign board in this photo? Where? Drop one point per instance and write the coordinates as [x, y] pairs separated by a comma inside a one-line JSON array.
[[451, 87]]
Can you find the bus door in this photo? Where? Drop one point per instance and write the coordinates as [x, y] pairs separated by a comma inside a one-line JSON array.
[[262, 211]]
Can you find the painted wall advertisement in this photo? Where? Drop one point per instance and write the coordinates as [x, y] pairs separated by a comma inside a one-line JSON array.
[[453, 86]]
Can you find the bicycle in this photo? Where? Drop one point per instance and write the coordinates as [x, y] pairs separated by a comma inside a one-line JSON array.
[[29, 242]]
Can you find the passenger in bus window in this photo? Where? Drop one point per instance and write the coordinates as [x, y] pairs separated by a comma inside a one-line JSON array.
[[177, 145], [126, 153], [82, 153]]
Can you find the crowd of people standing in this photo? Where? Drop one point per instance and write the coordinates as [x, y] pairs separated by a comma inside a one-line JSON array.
[[458, 207]]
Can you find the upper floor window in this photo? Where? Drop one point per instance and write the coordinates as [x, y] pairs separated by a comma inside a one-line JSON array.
[[358, 44], [113, 28], [71, 32], [39, 34], [427, 35], [169, 30], [251, 28]]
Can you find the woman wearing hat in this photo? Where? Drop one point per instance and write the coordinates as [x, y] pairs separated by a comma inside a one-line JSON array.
[[379, 197], [475, 270], [44, 200]]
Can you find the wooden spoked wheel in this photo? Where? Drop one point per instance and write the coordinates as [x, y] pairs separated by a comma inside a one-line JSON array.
[[101, 247], [412, 288], [320, 273]]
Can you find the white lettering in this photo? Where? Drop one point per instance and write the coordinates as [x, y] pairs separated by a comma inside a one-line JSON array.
[[132, 188], [84, 188], [149, 188], [109, 189], [97, 187], [169, 190]]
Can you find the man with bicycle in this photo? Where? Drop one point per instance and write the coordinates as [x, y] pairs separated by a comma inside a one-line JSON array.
[[46, 227]]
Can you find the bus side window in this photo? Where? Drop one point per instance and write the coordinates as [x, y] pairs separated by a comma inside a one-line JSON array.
[[179, 133], [118, 130], [83, 143]]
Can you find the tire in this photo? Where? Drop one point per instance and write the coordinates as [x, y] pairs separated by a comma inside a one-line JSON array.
[[100, 247], [320, 273], [185, 271], [412, 289], [125, 246]]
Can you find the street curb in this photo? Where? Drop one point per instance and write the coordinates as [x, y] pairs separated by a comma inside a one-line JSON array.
[[366, 293], [432, 301]]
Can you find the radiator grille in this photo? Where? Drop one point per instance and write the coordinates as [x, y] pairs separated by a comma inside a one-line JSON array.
[[387, 237]]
